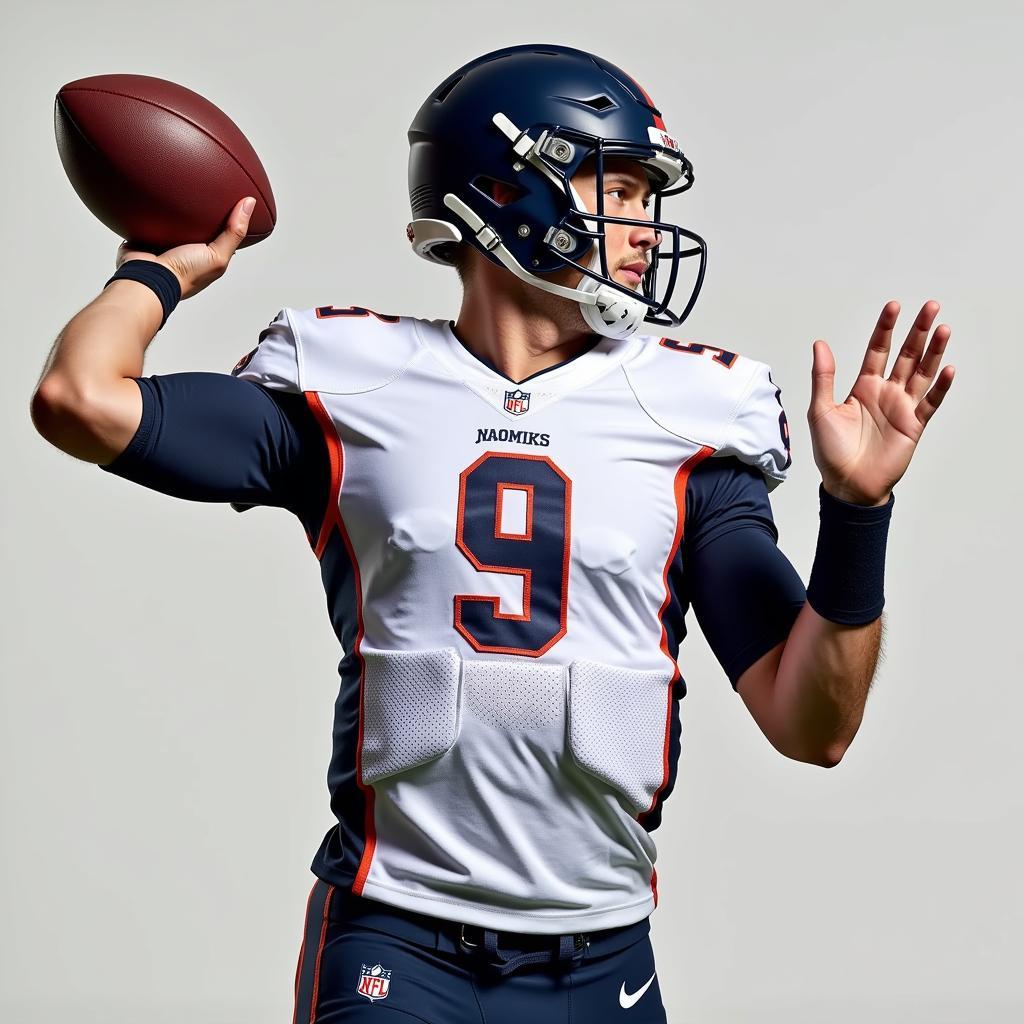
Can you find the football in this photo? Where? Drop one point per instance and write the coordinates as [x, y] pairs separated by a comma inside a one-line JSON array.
[[157, 163]]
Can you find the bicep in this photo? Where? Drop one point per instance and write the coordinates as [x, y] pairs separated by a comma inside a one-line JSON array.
[[212, 437], [744, 591], [746, 596]]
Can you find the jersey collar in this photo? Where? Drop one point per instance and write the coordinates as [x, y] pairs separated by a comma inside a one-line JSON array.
[[543, 387]]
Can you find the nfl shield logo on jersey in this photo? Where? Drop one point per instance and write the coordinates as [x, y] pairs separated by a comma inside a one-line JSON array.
[[517, 402], [374, 982]]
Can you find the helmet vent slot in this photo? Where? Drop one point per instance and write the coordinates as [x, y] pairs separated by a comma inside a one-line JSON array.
[[445, 90], [423, 197], [601, 102]]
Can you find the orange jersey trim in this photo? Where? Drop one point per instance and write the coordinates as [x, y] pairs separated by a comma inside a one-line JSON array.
[[679, 490], [333, 518]]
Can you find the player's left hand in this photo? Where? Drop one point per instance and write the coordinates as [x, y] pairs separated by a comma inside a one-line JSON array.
[[864, 446]]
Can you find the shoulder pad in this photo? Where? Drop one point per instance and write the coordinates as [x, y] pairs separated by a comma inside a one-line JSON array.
[[274, 361], [334, 350], [714, 397]]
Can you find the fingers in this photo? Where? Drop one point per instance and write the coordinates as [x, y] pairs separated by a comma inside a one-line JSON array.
[[877, 354], [823, 375], [927, 406], [910, 353], [923, 376], [225, 244]]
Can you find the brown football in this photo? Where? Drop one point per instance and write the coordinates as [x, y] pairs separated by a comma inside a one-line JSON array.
[[157, 163]]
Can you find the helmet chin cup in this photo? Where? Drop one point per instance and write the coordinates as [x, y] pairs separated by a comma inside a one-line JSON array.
[[612, 314]]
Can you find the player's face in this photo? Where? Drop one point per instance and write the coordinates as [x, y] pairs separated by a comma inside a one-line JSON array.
[[627, 193]]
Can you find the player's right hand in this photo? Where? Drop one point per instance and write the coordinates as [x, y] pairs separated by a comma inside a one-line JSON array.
[[197, 264]]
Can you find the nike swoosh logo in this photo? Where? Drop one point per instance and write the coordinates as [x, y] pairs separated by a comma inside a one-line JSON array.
[[627, 1000]]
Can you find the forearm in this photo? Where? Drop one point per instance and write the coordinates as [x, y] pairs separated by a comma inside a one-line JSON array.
[[822, 684], [829, 658], [85, 403], [107, 340]]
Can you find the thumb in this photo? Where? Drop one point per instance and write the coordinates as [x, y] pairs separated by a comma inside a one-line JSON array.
[[225, 244], [823, 374]]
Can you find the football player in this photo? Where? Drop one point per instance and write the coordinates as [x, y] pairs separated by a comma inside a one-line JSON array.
[[513, 513]]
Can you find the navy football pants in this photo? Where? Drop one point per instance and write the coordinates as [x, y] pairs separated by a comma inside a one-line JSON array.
[[362, 961]]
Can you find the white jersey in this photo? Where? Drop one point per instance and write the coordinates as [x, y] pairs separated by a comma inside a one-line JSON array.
[[497, 557]]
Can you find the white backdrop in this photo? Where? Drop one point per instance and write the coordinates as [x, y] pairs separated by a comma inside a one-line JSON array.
[[168, 669]]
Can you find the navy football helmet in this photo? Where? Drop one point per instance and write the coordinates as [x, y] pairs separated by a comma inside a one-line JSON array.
[[528, 117]]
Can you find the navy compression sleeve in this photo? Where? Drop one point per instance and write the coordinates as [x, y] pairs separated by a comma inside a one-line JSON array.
[[744, 591], [213, 437]]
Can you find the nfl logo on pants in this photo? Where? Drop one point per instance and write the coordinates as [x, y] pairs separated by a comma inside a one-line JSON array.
[[374, 982], [517, 402]]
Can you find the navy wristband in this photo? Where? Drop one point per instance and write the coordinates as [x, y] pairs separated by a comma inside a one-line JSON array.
[[157, 277], [848, 575]]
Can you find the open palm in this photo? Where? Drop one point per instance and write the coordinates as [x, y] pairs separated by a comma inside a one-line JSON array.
[[863, 446]]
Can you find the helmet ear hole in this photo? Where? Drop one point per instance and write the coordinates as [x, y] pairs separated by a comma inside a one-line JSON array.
[[501, 193]]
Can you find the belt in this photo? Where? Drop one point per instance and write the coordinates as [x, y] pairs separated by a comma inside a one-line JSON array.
[[499, 951], [505, 952]]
